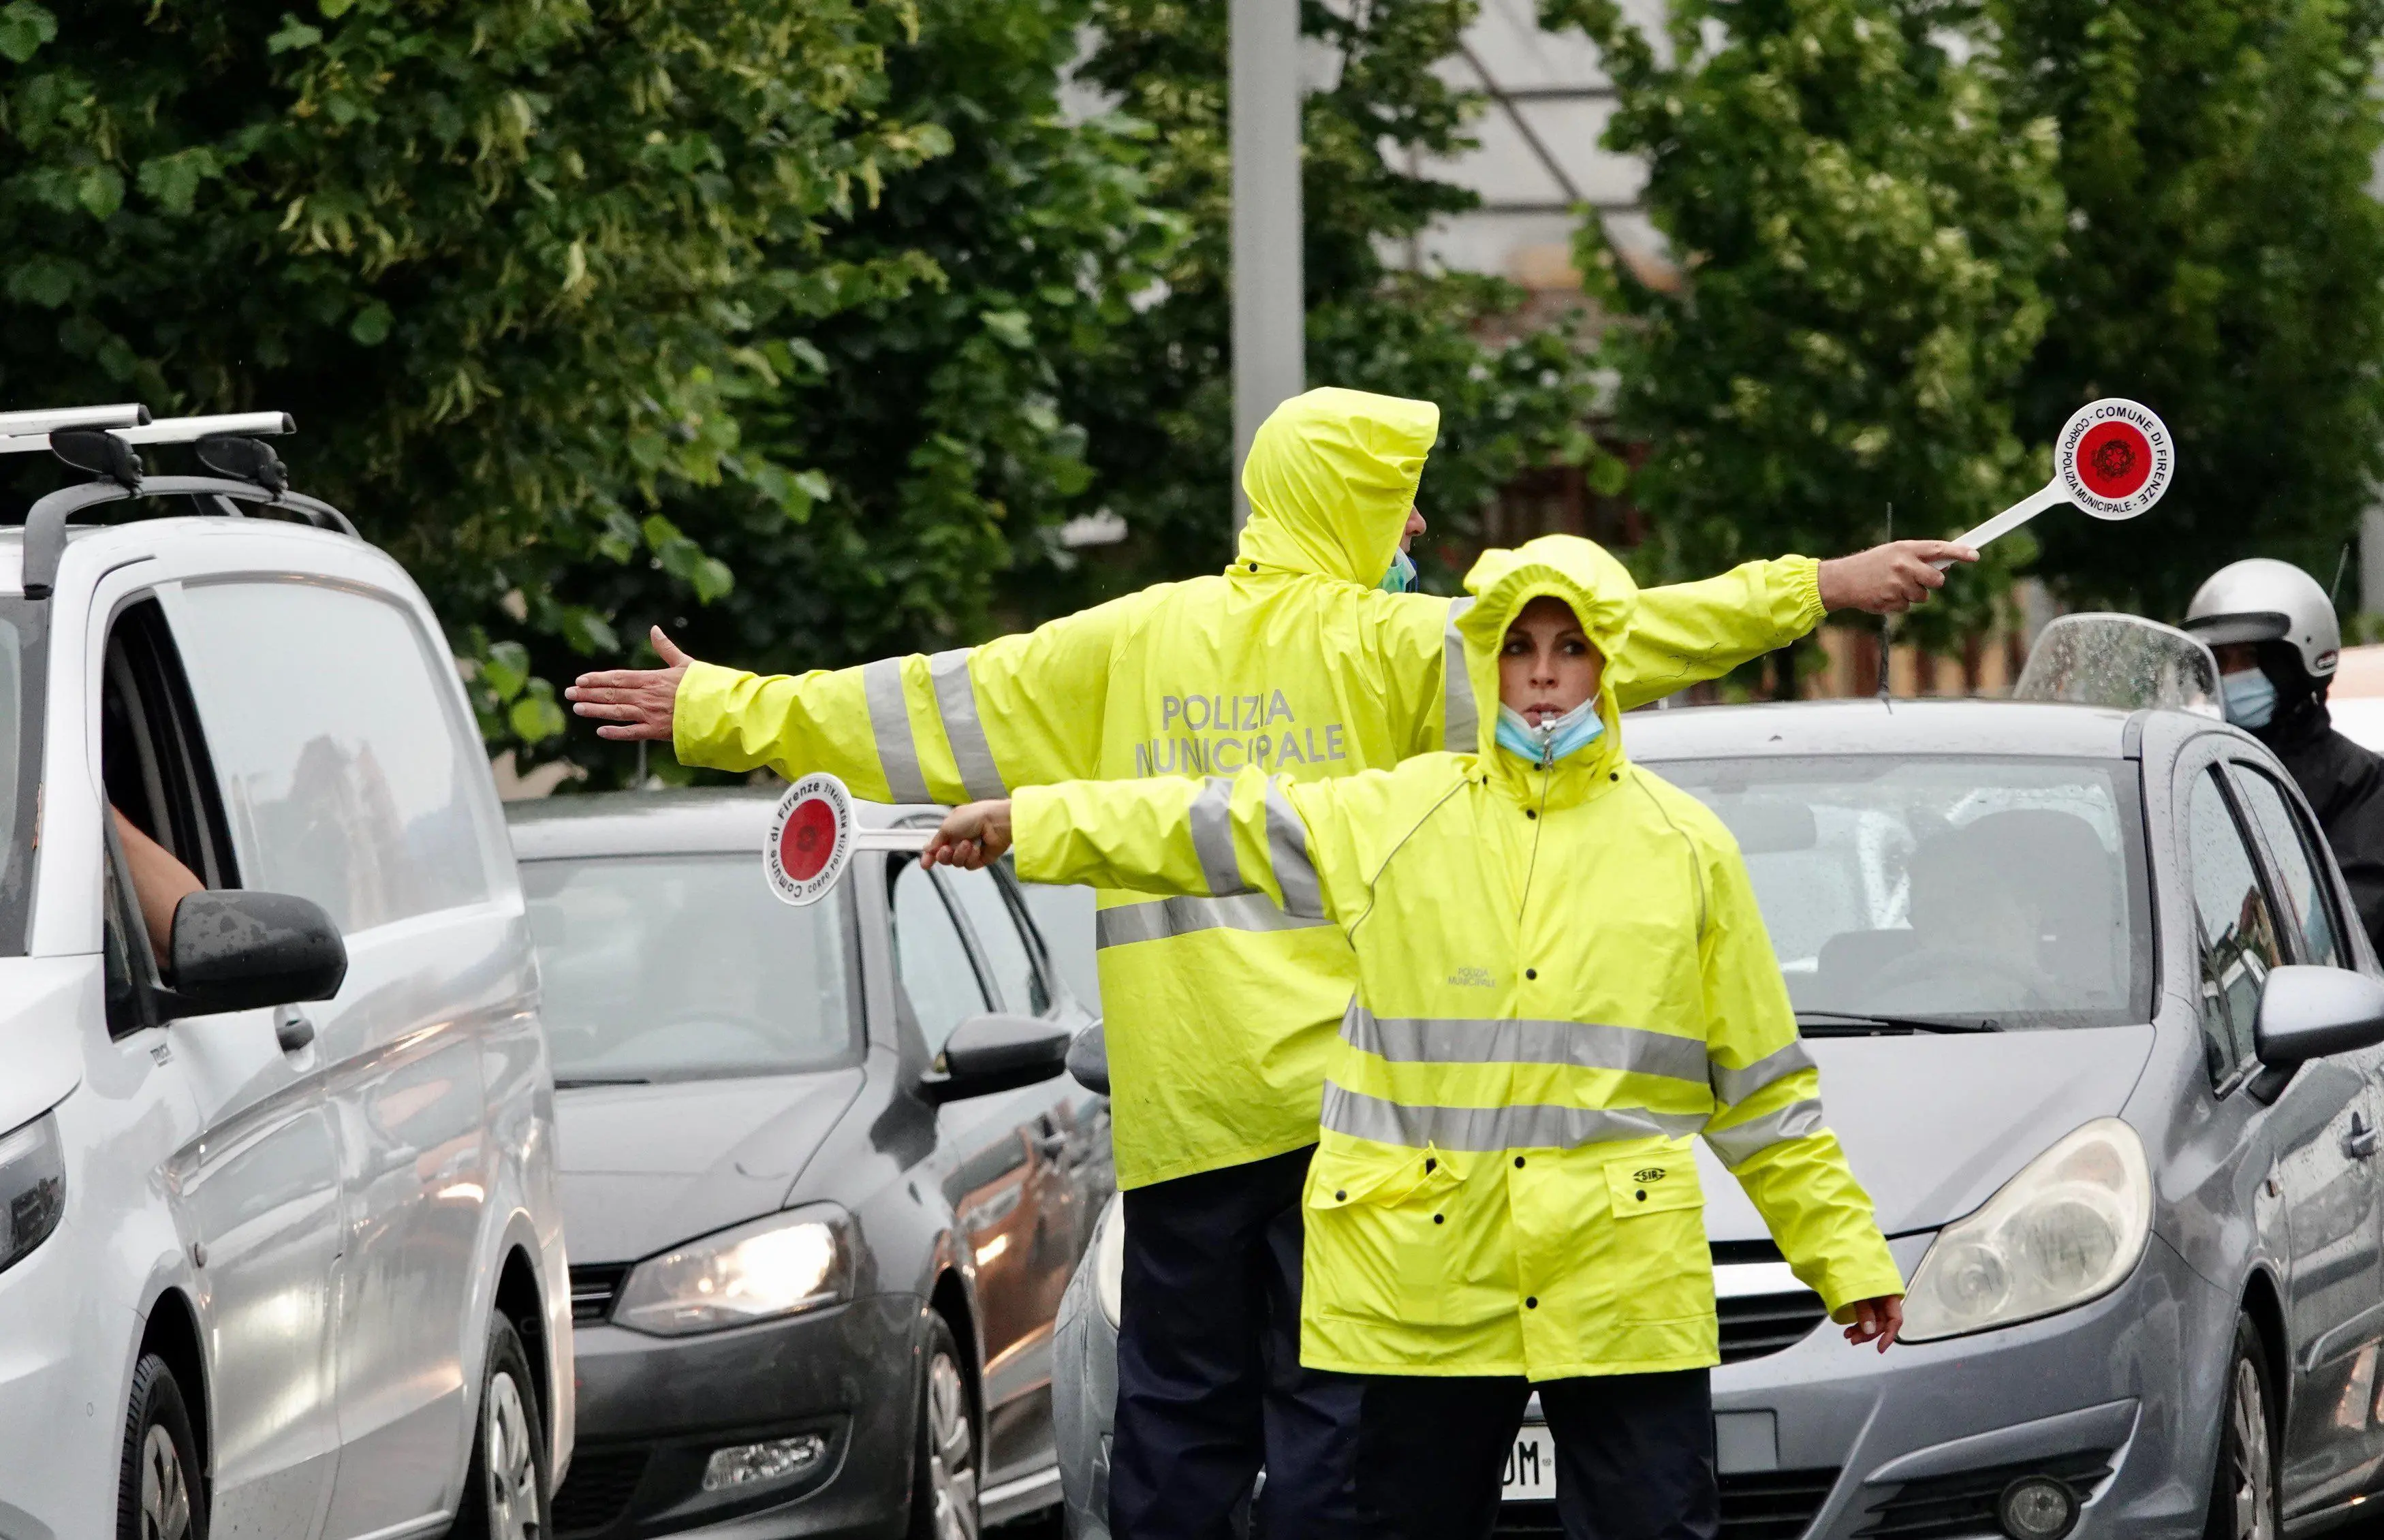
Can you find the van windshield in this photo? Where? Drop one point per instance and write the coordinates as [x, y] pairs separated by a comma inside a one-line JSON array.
[[19, 766], [687, 967], [1969, 892]]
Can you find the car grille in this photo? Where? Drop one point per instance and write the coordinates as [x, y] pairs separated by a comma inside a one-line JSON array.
[[1964, 1504], [592, 1289], [1757, 1324], [1770, 1505], [597, 1491]]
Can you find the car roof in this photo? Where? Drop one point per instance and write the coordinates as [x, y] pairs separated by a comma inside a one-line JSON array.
[[2031, 728], [666, 822]]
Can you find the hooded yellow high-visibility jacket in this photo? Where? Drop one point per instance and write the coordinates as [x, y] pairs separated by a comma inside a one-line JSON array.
[[1562, 976], [1218, 1012]]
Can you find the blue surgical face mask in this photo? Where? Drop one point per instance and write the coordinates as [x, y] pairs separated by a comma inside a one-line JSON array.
[[2250, 696], [1557, 738], [1401, 578]]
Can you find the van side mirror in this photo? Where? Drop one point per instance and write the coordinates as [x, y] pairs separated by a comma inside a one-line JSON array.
[[996, 1052], [235, 950], [2308, 1012]]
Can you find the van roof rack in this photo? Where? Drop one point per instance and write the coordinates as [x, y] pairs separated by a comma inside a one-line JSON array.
[[101, 439]]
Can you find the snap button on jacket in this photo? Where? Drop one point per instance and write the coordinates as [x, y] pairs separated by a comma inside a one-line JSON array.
[[1221, 1009], [1505, 1184]]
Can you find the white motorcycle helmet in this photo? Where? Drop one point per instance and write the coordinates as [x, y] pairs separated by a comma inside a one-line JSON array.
[[2262, 600]]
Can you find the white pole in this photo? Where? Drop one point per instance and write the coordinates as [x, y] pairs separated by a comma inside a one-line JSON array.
[[1269, 319]]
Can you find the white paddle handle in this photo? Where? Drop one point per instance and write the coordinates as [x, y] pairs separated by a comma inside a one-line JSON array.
[[2011, 518]]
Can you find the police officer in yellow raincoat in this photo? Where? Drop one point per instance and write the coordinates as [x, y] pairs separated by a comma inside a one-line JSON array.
[[1562, 976], [1221, 1011]]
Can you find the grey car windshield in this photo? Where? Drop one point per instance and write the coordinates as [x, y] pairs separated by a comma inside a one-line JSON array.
[[687, 967], [1970, 891]]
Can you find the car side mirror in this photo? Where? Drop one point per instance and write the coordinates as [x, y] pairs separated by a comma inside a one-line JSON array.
[[235, 950], [996, 1052], [2308, 1012], [1088, 1060]]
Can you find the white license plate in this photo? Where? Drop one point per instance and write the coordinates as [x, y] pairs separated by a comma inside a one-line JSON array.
[[1532, 1465]]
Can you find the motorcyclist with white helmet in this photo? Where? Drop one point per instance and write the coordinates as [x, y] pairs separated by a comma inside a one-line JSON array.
[[2275, 634]]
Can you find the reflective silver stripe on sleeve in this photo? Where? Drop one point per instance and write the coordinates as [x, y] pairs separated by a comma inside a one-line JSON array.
[[1741, 1142], [881, 682], [1161, 918], [1478, 1128], [1581, 1045], [956, 702], [1287, 850], [1212, 838], [1731, 1086], [1460, 722]]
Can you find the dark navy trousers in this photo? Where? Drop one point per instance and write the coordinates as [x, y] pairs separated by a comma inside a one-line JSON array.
[[1634, 1455], [1210, 1387]]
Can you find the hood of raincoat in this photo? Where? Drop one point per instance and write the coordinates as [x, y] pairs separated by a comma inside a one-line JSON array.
[[1330, 477], [1602, 596]]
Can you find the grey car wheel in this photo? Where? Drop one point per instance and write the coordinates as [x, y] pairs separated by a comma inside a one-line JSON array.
[[156, 1497], [944, 1489], [504, 1489], [2244, 1489]]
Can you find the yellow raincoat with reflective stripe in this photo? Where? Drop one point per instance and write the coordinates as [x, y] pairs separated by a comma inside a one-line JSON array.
[[1219, 1010], [1562, 977]]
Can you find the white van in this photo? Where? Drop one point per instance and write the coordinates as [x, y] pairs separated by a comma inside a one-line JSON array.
[[279, 1249]]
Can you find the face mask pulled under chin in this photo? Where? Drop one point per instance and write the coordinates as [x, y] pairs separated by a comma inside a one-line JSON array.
[[2249, 697], [1557, 738], [1401, 578]]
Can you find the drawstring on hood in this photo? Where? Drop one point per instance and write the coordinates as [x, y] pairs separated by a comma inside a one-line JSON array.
[[1330, 479]]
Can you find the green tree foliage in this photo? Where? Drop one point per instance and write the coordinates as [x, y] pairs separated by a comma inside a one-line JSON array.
[[2224, 265], [939, 451], [1158, 399], [1862, 229], [511, 263]]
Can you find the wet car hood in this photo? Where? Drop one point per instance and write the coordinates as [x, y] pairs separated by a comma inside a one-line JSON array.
[[1934, 1125], [645, 1167]]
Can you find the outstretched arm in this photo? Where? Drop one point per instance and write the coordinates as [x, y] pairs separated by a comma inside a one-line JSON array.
[[1687, 632], [973, 722]]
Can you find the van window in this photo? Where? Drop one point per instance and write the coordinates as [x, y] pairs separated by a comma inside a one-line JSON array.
[[347, 771], [999, 943], [2307, 907], [2238, 935]]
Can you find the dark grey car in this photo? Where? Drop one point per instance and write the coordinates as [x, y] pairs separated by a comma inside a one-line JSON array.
[[2097, 1026], [822, 1180]]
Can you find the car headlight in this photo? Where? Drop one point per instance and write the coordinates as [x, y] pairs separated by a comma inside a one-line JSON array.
[[1108, 1261], [2069, 1228], [779, 1265], [32, 1187]]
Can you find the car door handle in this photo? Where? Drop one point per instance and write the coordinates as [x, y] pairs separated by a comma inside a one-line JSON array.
[[2360, 1143], [292, 1029]]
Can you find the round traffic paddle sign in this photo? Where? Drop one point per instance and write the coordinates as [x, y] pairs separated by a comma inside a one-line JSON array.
[[811, 839], [2113, 458]]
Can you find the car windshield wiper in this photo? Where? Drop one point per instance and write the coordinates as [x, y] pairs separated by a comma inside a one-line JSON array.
[[574, 1082], [1842, 1024]]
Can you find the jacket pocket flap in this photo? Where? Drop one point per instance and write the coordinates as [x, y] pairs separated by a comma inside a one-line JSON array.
[[1653, 1183], [1339, 1178]]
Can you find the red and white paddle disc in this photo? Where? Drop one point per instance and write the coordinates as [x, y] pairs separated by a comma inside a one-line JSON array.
[[2114, 459], [811, 839]]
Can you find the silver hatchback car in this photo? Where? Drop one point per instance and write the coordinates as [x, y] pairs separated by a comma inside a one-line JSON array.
[[2098, 1026]]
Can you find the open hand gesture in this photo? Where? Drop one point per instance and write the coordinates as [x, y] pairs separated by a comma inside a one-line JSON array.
[[635, 703]]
